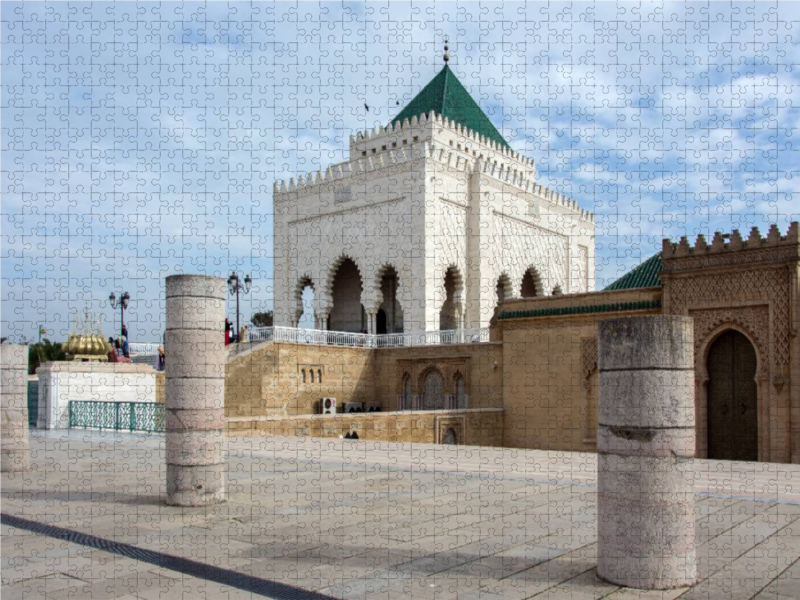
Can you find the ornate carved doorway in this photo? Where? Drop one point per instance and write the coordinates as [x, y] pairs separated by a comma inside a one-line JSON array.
[[732, 398]]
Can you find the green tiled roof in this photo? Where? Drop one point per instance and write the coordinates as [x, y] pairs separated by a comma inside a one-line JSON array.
[[446, 96], [647, 274]]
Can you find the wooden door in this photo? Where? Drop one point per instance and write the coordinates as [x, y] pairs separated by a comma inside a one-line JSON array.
[[732, 399]]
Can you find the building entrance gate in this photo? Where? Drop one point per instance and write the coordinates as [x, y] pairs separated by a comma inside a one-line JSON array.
[[732, 399]]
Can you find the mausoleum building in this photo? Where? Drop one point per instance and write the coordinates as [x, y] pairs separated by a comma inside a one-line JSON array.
[[432, 222], [532, 382]]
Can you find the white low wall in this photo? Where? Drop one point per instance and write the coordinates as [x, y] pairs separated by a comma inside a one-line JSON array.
[[60, 382]]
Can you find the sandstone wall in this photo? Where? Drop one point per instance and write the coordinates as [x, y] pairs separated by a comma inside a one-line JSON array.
[[481, 366], [268, 379], [276, 378], [549, 366], [476, 427]]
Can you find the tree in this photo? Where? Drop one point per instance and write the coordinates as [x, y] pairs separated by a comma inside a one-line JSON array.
[[43, 352], [262, 319]]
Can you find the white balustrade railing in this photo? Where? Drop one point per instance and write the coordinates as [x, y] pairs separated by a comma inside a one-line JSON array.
[[366, 340], [143, 348], [343, 338]]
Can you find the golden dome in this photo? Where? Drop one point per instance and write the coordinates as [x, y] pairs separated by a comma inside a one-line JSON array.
[[86, 341], [85, 346]]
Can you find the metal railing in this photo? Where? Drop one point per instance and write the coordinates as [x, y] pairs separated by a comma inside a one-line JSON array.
[[366, 340], [149, 352], [143, 348], [118, 416]]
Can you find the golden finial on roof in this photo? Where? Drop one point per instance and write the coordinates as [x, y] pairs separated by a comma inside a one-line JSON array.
[[446, 48], [86, 340]]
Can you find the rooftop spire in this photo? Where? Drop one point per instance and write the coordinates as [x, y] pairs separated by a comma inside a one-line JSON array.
[[446, 48], [447, 97]]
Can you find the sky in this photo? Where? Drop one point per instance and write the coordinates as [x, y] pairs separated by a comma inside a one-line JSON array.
[[142, 139]]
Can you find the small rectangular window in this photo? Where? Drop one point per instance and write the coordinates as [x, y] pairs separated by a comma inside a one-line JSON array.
[[416, 138], [383, 148], [374, 151], [394, 144], [363, 153], [405, 142]]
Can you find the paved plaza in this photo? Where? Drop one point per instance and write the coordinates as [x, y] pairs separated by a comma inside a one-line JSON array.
[[369, 520]]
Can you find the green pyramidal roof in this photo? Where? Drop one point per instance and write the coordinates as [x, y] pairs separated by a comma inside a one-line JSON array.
[[647, 274], [446, 96]]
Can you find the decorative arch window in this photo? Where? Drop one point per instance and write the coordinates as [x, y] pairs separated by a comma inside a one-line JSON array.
[[531, 284], [461, 398], [303, 374], [406, 392], [433, 391], [449, 436], [319, 375], [311, 373]]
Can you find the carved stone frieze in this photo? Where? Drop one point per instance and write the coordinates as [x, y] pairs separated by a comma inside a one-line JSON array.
[[753, 319], [417, 369], [688, 294], [456, 423], [694, 262]]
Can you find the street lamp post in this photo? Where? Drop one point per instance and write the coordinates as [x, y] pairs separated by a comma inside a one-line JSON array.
[[124, 299], [235, 287]]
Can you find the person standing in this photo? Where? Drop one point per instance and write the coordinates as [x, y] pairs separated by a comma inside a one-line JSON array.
[[162, 358], [126, 352]]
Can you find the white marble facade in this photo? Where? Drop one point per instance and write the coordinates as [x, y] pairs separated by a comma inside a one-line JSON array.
[[424, 198], [60, 382]]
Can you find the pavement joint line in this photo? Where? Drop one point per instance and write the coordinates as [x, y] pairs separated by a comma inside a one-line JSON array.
[[711, 574], [774, 579], [254, 585], [581, 574]]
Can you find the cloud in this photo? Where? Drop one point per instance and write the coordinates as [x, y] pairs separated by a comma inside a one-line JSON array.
[[142, 139]]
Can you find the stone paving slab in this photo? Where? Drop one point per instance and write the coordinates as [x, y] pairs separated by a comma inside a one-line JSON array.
[[373, 520]]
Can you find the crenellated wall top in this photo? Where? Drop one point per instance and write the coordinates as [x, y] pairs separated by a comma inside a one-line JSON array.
[[429, 137], [730, 242], [731, 249]]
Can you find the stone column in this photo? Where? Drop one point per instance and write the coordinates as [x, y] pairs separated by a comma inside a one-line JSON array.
[[195, 390], [14, 444], [646, 444]]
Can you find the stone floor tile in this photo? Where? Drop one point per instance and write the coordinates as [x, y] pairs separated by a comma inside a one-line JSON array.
[[382, 525]]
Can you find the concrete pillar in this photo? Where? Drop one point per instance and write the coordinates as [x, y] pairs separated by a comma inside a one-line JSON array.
[[646, 444], [14, 444], [195, 390]]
